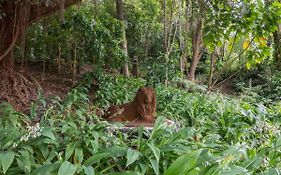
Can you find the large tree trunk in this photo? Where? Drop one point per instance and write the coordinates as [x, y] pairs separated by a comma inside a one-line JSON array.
[[17, 16], [120, 16], [11, 24]]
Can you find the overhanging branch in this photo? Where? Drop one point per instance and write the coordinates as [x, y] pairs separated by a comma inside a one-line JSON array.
[[39, 11]]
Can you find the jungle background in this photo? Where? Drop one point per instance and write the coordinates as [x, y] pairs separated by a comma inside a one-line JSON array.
[[215, 66]]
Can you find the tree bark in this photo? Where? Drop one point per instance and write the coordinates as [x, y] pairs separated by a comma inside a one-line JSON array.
[[196, 45], [135, 69], [120, 16], [182, 33], [212, 68], [39, 11]]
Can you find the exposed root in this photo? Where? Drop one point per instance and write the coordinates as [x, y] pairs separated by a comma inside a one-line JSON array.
[[17, 90]]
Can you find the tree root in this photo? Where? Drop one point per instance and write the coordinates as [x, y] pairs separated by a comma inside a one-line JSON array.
[[17, 90]]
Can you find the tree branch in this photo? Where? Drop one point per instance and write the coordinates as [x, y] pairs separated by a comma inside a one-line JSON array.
[[39, 11]]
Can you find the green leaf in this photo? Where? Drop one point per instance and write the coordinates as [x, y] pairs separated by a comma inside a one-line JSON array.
[[69, 150], [184, 163], [132, 156], [115, 151], [7, 159], [213, 170], [65, 127], [155, 151], [234, 170], [78, 156], [271, 171], [95, 158], [89, 170], [24, 161], [67, 168], [48, 133], [47, 168], [44, 150], [155, 166], [248, 65], [125, 173]]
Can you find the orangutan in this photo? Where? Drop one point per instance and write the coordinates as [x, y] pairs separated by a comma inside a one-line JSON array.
[[141, 111]]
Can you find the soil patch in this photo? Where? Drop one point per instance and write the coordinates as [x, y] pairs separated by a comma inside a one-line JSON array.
[[51, 81]]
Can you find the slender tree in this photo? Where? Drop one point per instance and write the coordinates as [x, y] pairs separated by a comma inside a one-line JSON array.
[[196, 46], [197, 24], [120, 16], [277, 47]]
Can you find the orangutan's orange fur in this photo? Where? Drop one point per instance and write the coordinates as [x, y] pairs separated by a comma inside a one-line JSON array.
[[141, 110]]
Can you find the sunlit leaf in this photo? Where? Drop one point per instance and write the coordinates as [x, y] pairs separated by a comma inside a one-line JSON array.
[[246, 44], [248, 65]]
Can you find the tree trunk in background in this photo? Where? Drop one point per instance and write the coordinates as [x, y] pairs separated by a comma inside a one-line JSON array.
[[187, 29], [183, 31], [13, 24], [212, 68], [135, 69], [14, 87], [120, 16], [196, 45], [170, 25], [277, 47], [165, 41], [74, 63]]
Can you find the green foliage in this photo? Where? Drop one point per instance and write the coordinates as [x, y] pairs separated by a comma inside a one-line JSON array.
[[90, 37], [218, 135], [266, 90], [116, 89]]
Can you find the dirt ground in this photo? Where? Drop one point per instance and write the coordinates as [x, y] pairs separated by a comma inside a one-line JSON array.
[[51, 81], [54, 83]]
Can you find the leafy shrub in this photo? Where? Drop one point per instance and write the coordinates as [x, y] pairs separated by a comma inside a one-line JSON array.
[[267, 91], [116, 89]]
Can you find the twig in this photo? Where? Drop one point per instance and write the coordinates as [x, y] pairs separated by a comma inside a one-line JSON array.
[[227, 64]]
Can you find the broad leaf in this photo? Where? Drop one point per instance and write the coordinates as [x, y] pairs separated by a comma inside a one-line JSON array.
[[184, 163], [67, 168], [78, 156], [47, 168], [95, 158], [48, 133], [89, 170], [6, 159], [132, 156], [69, 150]]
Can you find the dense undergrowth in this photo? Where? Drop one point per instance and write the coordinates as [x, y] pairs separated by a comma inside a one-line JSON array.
[[218, 134]]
